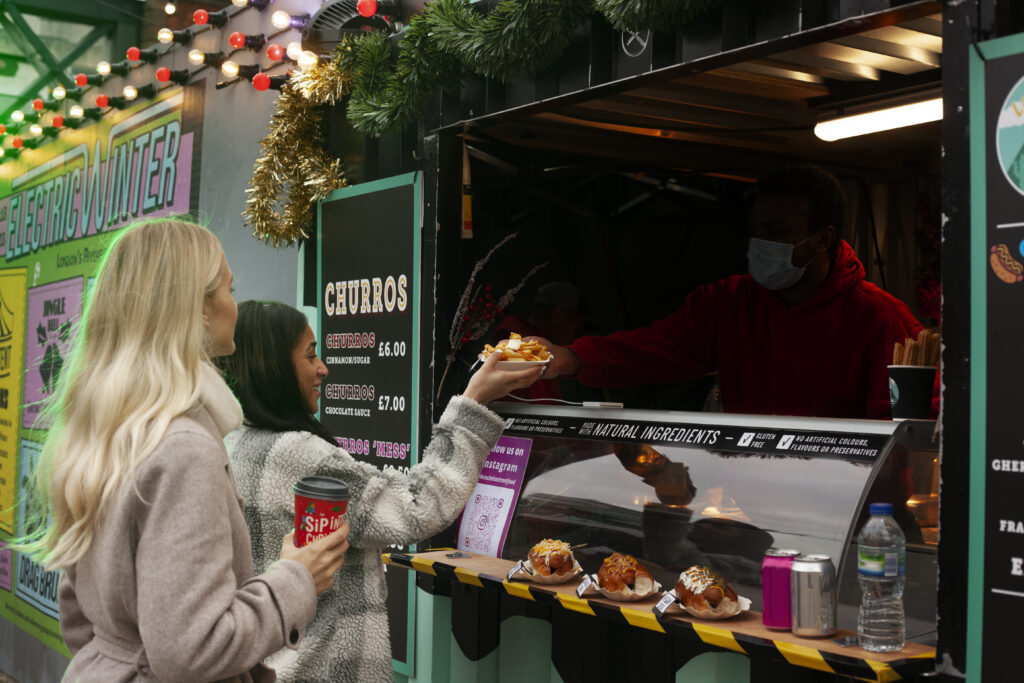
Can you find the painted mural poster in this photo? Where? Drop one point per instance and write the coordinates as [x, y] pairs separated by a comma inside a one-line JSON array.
[[53, 310], [61, 204], [12, 345], [33, 584]]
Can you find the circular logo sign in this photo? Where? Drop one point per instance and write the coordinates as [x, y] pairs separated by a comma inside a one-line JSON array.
[[1010, 137], [634, 43], [894, 393]]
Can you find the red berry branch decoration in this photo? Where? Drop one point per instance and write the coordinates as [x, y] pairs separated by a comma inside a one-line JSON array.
[[478, 309]]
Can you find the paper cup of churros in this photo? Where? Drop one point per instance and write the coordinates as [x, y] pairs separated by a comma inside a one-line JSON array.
[[912, 375]]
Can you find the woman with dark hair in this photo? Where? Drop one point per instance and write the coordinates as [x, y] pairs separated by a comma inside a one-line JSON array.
[[276, 375]]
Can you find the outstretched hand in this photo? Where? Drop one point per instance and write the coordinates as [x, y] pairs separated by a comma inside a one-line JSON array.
[[563, 361], [489, 383]]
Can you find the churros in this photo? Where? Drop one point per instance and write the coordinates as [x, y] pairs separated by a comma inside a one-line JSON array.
[[925, 350], [515, 348]]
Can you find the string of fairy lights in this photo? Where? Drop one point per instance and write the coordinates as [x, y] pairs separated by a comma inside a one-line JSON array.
[[70, 107]]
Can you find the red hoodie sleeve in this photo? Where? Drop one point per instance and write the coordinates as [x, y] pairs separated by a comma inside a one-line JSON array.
[[678, 347]]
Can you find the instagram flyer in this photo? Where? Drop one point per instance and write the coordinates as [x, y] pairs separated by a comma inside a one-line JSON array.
[[488, 514]]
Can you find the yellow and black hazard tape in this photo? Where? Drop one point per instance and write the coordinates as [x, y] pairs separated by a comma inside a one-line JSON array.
[[798, 655]]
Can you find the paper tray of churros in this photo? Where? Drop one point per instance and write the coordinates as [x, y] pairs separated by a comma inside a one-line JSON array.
[[518, 352]]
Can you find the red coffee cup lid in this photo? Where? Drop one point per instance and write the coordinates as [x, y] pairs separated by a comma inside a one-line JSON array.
[[324, 488]]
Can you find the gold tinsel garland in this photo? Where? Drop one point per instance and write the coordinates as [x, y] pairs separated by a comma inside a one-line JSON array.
[[293, 170]]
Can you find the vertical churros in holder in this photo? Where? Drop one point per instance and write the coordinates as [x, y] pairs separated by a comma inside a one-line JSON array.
[[925, 350], [912, 375]]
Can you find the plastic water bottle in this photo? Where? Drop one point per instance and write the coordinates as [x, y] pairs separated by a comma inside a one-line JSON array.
[[881, 564]]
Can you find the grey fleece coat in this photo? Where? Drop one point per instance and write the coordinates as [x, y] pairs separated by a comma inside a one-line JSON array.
[[166, 591], [348, 639]]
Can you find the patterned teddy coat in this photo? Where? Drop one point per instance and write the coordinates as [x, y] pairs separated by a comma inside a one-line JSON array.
[[348, 639]]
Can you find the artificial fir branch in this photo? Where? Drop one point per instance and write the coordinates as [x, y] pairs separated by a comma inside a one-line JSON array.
[[654, 15], [517, 38]]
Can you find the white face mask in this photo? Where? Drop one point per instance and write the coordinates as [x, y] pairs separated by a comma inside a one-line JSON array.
[[771, 263]]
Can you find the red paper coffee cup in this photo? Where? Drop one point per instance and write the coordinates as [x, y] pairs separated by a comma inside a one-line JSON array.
[[320, 504]]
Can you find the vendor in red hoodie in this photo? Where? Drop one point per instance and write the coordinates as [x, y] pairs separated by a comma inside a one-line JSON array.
[[803, 334]]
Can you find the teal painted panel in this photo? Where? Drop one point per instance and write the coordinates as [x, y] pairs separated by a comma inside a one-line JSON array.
[[519, 635], [716, 667]]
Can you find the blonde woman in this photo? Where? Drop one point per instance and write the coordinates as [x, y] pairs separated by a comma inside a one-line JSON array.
[[146, 519]]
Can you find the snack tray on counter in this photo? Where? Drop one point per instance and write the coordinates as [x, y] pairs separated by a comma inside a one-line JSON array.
[[743, 633]]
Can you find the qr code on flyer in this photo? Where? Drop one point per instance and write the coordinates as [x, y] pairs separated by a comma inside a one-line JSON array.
[[483, 520]]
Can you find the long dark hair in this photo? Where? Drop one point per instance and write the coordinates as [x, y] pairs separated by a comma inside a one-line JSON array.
[[261, 373]]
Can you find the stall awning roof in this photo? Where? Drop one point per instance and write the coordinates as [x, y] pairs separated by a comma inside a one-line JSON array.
[[742, 112]]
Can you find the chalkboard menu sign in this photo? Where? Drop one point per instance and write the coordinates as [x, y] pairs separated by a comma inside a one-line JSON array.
[[368, 304], [996, 570]]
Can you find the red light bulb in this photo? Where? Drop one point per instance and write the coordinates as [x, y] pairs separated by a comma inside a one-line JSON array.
[[38, 104], [57, 121], [275, 52], [81, 80], [163, 74], [102, 101], [200, 16], [261, 81], [237, 40], [16, 143], [366, 8], [3, 129], [134, 54]]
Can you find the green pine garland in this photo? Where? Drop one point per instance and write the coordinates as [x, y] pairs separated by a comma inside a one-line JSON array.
[[519, 37], [452, 37], [381, 102], [655, 15]]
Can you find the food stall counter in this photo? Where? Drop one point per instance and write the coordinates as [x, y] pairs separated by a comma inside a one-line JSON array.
[[744, 633], [678, 490]]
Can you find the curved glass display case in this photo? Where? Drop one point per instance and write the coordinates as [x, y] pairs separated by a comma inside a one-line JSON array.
[[678, 489]]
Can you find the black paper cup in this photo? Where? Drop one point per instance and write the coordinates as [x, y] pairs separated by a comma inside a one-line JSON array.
[[910, 391]]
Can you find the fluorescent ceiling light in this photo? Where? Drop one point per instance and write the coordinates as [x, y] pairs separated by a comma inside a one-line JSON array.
[[883, 119]]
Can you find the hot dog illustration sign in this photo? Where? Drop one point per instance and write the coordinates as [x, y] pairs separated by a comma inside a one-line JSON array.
[[996, 524]]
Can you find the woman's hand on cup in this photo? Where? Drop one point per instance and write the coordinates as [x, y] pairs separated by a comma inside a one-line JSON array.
[[323, 557], [489, 383]]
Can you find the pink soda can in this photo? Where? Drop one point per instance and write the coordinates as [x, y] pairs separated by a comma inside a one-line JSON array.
[[775, 589]]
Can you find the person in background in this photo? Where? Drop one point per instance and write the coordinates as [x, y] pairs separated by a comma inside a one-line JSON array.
[[146, 520], [556, 315], [803, 334], [277, 376]]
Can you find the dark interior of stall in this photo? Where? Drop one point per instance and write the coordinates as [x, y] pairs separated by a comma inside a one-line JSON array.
[[639, 196]]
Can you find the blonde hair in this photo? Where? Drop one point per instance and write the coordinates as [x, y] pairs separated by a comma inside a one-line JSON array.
[[134, 366]]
